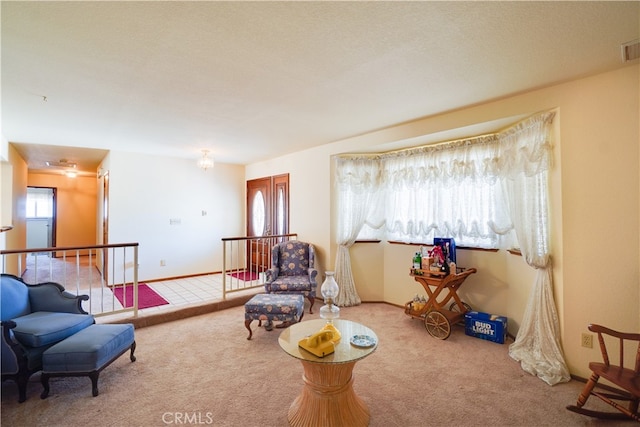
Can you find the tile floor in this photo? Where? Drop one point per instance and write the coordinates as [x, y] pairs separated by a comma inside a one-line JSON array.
[[179, 293], [187, 291], [79, 278]]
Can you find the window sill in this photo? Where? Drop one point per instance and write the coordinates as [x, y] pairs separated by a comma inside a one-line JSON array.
[[469, 248]]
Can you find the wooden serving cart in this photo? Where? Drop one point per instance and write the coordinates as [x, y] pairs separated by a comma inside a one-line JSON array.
[[437, 318]]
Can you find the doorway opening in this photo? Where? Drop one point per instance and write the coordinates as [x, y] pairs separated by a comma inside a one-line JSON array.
[[41, 217]]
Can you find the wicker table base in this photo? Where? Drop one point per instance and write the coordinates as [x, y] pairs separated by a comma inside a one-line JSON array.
[[327, 398]]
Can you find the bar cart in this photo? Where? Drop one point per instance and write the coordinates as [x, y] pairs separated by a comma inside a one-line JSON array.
[[437, 318]]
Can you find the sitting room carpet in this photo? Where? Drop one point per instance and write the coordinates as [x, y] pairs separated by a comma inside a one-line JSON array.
[[204, 371]]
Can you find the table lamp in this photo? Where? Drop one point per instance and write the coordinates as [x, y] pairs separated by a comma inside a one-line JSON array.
[[329, 310]]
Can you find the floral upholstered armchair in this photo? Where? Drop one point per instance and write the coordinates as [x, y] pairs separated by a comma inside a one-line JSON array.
[[293, 270]]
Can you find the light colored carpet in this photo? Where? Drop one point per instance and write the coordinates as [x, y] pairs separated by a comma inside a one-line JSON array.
[[204, 371]]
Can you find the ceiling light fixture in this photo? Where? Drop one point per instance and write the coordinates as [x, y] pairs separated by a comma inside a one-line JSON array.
[[205, 162], [62, 163]]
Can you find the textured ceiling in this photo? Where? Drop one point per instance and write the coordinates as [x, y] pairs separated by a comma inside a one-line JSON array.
[[253, 80]]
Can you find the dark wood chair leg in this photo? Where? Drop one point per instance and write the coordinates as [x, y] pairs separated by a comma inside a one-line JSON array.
[[312, 301], [586, 391], [44, 379], [247, 324], [22, 380], [94, 382], [133, 348]]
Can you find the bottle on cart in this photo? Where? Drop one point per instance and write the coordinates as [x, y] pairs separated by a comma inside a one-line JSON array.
[[415, 304], [417, 261], [444, 268]]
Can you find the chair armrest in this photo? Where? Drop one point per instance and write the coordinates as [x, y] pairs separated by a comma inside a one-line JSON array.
[[13, 354], [7, 334], [623, 335], [312, 277], [271, 274], [52, 296], [9, 324]]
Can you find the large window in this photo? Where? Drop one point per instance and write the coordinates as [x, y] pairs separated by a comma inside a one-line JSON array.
[[435, 192], [457, 189]]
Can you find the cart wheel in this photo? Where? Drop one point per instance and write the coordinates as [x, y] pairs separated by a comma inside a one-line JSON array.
[[454, 307], [437, 325]]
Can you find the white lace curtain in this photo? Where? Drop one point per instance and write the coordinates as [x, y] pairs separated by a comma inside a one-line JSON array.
[[358, 186], [449, 190], [537, 345], [477, 190]]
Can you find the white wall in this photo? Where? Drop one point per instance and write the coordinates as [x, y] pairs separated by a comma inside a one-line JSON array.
[[16, 238], [6, 196], [146, 192], [595, 189]]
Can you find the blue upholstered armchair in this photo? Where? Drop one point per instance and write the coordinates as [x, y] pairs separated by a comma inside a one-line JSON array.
[[293, 270], [34, 318]]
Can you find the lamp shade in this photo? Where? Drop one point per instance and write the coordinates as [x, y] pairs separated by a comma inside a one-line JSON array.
[[329, 288]]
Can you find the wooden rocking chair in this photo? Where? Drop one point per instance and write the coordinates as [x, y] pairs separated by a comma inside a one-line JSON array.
[[626, 380]]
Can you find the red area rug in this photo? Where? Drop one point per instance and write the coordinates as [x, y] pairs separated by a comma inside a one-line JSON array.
[[147, 297], [247, 276]]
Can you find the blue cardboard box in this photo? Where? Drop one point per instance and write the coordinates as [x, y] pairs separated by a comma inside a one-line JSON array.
[[486, 326]]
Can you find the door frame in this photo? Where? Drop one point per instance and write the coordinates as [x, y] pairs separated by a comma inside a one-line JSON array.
[[104, 261], [54, 213], [271, 187]]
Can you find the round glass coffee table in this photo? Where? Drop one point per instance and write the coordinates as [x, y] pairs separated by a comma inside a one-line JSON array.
[[327, 397]]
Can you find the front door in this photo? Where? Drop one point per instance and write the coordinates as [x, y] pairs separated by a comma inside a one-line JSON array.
[[267, 215]]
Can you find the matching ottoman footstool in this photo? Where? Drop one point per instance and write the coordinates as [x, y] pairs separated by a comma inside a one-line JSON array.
[[270, 307], [87, 353]]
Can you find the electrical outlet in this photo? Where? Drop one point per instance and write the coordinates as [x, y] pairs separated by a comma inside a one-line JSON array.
[[163, 263], [587, 340]]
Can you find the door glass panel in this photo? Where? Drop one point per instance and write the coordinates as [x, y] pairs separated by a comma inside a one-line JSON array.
[[280, 212], [39, 202], [258, 214]]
